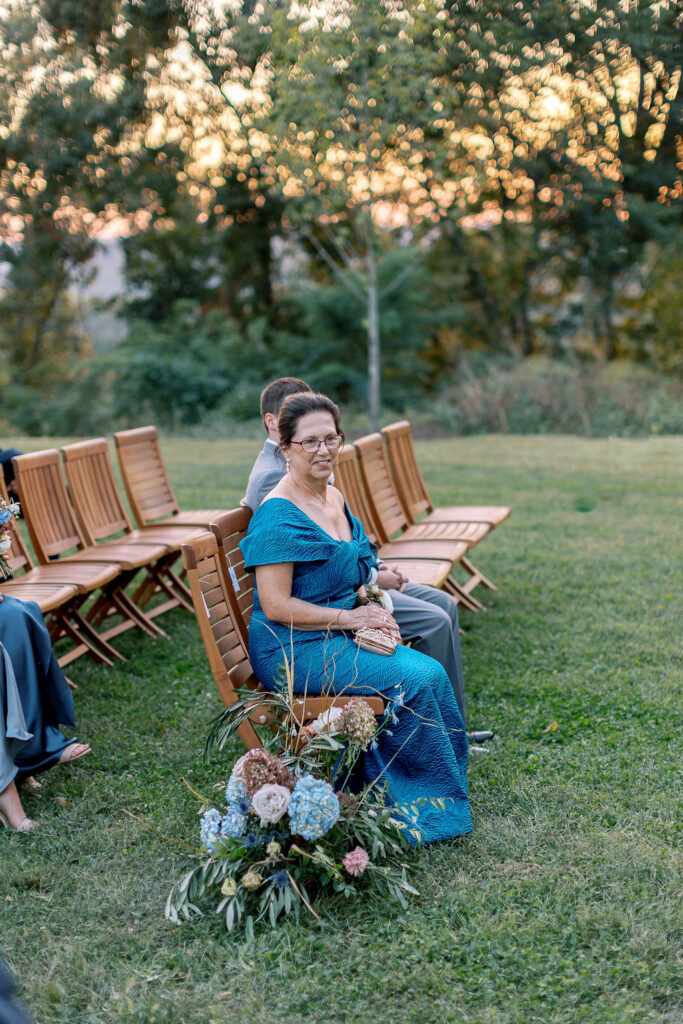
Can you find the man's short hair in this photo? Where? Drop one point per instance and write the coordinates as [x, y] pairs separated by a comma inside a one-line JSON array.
[[275, 393]]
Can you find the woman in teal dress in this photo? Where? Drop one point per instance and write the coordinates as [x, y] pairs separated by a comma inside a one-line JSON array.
[[310, 556]]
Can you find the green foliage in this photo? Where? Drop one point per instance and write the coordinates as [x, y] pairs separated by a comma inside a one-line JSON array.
[[542, 395]]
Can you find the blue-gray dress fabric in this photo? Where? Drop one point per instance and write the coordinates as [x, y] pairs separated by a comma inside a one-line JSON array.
[[44, 693], [13, 732], [424, 754]]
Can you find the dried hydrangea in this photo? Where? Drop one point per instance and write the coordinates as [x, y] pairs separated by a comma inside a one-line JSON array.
[[258, 768], [233, 823], [210, 829], [358, 723], [235, 790], [356, 861], [314, 807]]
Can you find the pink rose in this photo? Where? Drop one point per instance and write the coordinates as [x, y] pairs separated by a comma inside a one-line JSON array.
[[356, 861], [270, 802]]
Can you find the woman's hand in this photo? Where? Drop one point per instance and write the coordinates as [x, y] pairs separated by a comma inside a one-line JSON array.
[[370, 615]]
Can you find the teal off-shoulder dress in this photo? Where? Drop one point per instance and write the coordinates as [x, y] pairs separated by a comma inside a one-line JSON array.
[[423, 753]]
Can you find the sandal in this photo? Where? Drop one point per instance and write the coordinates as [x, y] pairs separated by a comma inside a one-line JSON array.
[[25, 825], [73, 752]]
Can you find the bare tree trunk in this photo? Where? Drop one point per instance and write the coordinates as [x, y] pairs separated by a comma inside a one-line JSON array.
[[524, 325], [607, 326], [374, 395]]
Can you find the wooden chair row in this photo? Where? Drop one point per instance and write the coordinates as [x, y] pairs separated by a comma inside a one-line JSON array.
[[381, 481], [87, 546]]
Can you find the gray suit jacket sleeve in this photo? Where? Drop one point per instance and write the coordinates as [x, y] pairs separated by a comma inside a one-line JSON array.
[[268, 470], [265, 485]]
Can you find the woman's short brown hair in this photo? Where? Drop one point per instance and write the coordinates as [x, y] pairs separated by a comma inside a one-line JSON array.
[[296, 406]]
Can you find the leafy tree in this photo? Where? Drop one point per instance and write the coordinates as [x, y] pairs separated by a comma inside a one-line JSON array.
[[72, 90], [576, 108], [355, 124]]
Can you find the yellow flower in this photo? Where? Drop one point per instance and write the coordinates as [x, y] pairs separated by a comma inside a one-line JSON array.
[[229, 887], [251, 880], [273, 848]]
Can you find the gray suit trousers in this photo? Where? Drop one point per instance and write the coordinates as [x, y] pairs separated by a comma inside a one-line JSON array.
[[429, 619]]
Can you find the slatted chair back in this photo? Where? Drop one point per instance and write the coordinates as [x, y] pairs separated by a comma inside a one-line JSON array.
[[93, 491], [147, 485], [379, 487], [18, 558], [51, 522], [229, 528], [410, 485], [225, 648], [348, 479]]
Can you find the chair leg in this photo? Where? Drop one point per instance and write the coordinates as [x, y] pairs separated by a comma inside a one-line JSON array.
[[479, 576], [181, 591], [462, 595], [80, 630], [130, 611]]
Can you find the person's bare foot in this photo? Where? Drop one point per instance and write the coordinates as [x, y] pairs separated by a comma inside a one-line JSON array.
[[12, 814], [73, 752], [30, 783]]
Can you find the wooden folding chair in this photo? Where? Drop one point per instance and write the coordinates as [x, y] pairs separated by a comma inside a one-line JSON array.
[[388, 509], [223, 632], [54, 531], [229, 529], [102, 516], [412, 490], [59, 590], [147, 485], [430, 572], [389, 517]]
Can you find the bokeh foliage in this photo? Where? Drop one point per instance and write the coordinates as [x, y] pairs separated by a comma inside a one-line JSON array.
[[412, 179]]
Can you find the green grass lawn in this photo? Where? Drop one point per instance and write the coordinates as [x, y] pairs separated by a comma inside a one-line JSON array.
[[563, 906]]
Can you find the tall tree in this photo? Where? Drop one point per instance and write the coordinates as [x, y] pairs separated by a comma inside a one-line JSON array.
[[72, 92], [355, 121]]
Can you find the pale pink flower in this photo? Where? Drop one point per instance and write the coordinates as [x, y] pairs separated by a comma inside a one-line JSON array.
[[356, 861], [326, 721], [270, 802]]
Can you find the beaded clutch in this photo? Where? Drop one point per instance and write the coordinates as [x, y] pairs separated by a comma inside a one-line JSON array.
[[375, 641]]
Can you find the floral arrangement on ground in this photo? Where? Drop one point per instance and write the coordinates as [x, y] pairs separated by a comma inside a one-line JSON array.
[[8, 513], [298, 820]]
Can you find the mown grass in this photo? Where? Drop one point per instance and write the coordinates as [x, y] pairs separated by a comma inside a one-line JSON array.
[[563, 906]]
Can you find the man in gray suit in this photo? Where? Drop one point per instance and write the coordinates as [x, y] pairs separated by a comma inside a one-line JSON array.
[[426, 616]]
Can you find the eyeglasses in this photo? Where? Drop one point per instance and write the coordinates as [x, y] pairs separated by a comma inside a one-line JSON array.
[[311, 444]]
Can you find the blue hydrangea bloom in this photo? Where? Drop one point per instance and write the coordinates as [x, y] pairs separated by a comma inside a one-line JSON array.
[[235, 790], [233, 823], [313, 808], [210, 829], [5, 516]]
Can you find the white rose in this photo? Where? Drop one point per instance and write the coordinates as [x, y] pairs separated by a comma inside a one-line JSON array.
[[5, 545], [270, 802], [325, 721], [385, 601]]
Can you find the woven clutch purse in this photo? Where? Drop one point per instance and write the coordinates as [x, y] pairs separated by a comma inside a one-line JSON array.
[[375, 641]]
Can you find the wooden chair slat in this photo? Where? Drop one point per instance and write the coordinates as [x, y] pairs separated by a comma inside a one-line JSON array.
[[412, 490]]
